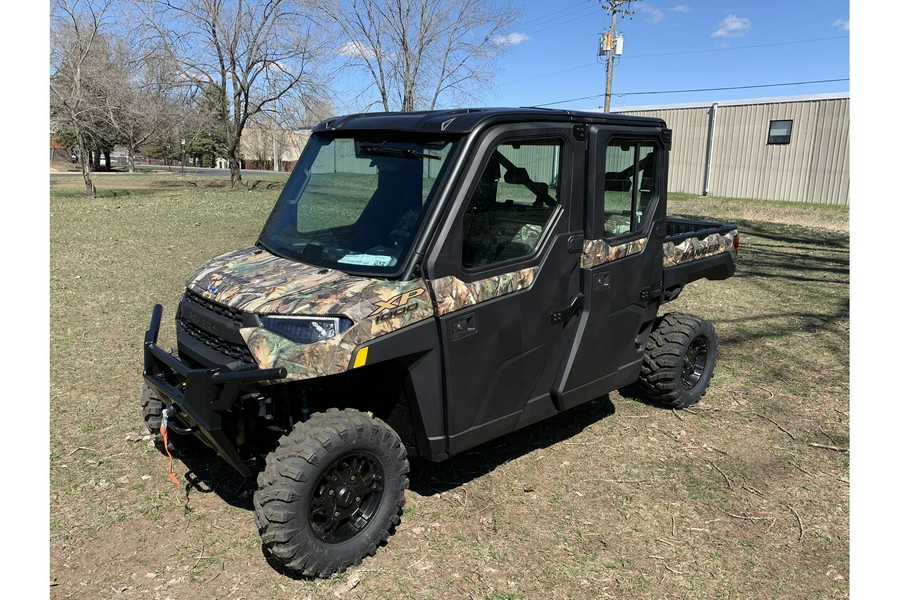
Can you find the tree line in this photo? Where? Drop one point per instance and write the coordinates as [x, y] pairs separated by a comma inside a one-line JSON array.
[[185, 78]]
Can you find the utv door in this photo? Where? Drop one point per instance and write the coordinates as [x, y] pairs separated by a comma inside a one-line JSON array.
[[621, 264], [506, 280]]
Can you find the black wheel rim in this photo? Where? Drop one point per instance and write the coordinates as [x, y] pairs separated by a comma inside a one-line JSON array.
[[694, 362], [346, 497]]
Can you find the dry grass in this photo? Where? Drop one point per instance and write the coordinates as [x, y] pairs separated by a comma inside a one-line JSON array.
[[744, 496]]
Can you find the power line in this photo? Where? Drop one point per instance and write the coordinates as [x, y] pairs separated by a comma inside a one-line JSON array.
[[559, 13], [578, 17], [627, 58], [836, 37], [713, 89]]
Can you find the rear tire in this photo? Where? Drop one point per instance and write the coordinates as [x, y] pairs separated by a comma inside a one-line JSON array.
[[679, 361], [331, 493]]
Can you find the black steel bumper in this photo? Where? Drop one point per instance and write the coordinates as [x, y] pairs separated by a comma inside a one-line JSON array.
[[199, 396]]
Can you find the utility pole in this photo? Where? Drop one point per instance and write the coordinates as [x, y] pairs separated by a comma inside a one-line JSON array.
[[611, 44]]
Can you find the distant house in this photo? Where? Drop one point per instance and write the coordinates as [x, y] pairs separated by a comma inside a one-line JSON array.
[[793, 148], [260, 146], [58, 152]]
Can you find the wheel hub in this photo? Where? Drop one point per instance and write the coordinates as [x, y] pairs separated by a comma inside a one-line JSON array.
[[346, 497], [694, 362]]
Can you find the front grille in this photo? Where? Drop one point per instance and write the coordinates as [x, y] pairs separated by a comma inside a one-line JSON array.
[[235, 351], [215, 326], [232, 314]]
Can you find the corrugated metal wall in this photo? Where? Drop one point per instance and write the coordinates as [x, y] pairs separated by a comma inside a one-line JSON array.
[[813, 167]]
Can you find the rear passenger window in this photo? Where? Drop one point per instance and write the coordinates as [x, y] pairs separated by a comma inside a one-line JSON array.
[[628, 186], [509, 210]]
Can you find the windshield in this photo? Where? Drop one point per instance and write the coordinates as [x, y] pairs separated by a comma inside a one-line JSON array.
[[356, 203]]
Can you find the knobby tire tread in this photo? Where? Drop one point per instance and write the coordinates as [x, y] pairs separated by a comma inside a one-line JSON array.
[[660, 379], [304, 454]]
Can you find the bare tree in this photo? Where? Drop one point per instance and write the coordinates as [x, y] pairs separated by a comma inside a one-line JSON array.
[[417, 51], [234, 46], [144, 100], [77, 68]]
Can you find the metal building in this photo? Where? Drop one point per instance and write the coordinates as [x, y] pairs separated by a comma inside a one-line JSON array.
[[793, 148]]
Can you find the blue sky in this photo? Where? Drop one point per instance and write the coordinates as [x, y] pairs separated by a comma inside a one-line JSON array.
[[674, 45]]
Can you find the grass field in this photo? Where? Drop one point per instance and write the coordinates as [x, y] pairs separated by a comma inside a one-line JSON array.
[[746, 495]]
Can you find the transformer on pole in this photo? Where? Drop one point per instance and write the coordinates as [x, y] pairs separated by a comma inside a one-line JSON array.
[[611, 43]]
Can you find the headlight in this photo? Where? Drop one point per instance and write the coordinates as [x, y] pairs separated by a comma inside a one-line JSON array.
[[306, 330]]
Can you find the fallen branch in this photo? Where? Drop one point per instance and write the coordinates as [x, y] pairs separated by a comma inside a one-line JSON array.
[[828, 435], [727, 478], [745, 517], [790, 435], [799, 522], [771, 393], [666, 433], [751, 489], [835, 448], [668, 568], [80, 448], [801, 468], [666, 542]]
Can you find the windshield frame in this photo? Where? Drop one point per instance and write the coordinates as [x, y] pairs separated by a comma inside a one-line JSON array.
[[381, 147]]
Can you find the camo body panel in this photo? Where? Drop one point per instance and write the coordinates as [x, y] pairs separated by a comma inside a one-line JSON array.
[[696, 248], [452, 294], [253, 280], [598, 252]]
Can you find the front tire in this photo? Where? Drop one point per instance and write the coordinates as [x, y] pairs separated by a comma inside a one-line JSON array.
[[152, 408], [331, 492], [679, 361]]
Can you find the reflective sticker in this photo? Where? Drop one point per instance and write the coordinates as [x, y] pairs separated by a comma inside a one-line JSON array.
[[361, 355]]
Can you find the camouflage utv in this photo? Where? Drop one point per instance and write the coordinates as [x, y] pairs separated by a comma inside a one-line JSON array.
[[427, 282]]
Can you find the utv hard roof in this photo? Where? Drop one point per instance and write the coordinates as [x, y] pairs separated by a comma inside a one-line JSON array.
[[465, 120]]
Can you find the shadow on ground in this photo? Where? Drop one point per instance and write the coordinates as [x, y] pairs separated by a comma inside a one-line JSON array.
[[427, 478], [208, 474]]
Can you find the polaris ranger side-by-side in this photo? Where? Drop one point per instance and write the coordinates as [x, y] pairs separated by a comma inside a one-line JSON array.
[[427, 282]]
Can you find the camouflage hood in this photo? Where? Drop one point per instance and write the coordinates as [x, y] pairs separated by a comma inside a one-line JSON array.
[[253, 280]]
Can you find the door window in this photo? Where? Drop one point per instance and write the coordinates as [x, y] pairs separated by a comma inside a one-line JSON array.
[[516, 194], [628, 187]]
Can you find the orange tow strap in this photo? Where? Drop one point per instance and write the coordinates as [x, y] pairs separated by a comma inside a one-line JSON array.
[[165, 436]]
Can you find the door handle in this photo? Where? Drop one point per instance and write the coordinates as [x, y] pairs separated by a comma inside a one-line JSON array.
[[462, 326], [563, 316]]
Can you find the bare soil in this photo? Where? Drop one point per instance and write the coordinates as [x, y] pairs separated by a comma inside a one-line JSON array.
[[745, 495]]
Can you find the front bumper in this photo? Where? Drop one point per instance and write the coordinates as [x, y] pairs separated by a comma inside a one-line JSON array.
[[200, 396]]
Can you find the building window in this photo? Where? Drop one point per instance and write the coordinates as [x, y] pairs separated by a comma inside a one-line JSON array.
[[780, 132]]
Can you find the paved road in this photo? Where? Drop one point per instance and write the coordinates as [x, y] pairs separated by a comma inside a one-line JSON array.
[[159, 170]]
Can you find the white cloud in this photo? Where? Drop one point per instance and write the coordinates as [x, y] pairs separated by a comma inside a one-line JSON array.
[[842, 24], [657, 15], [510, 39], [356, 50], [654, 14], [732, 26]]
